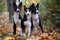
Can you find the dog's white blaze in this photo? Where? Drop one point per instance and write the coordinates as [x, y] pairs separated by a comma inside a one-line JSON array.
[[28, 13]]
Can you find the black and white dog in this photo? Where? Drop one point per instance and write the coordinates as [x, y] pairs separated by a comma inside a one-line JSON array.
[[27, 19], [17, 17], [35, 16]]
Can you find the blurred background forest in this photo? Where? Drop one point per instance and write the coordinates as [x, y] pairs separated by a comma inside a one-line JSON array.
[[49, 10]]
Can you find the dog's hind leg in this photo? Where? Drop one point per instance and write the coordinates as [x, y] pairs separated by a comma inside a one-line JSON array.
[[40, 24]]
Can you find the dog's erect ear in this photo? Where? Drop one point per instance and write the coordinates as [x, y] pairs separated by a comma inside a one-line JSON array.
[[30, 7], [33, 8], [20, 4], [14, 4], [37, 5], [33, 5]]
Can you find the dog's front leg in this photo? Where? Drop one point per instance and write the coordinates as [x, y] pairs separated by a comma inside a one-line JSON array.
[[34, 23], [28, 24], [20, 27], [29, 29]]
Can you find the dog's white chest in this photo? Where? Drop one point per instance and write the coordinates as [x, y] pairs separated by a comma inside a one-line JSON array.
[[16, 17], [35, 19], [35, 16], [28, 18]]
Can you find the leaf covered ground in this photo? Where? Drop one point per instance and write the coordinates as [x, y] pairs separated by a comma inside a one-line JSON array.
[[6, 30]]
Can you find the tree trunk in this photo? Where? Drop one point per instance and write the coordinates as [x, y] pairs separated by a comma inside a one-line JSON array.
[[10, 9]]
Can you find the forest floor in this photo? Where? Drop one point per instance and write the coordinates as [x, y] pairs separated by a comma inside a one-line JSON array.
[[6, 31]]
